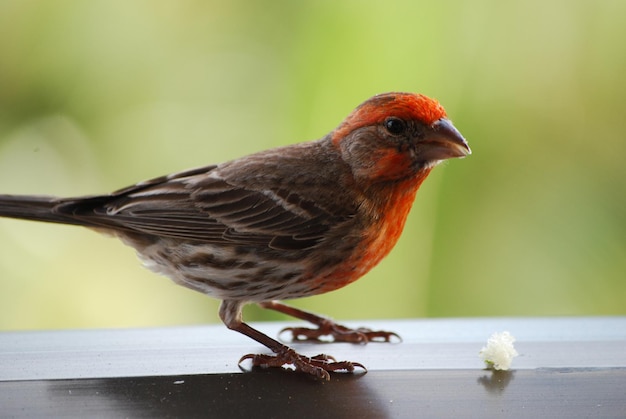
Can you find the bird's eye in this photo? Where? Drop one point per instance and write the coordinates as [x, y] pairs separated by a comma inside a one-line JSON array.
[[395, 126]]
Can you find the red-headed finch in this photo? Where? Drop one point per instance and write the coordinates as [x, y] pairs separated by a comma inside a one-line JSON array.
[[284, 223]]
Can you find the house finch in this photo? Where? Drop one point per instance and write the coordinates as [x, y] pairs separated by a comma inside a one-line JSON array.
[[284, 223]]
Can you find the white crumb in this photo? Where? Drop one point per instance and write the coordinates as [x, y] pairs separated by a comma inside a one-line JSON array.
[[499, 352]]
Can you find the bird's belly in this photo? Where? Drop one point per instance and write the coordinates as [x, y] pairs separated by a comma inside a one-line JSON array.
[[226, 272], [249, 274]]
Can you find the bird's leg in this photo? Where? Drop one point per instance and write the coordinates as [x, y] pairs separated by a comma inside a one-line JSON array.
[[326, 327], [318, 366]]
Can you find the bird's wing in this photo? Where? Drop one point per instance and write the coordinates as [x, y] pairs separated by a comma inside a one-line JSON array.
[[199, 205]]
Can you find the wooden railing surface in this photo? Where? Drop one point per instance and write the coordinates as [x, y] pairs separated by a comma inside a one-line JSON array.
[[567, 367]]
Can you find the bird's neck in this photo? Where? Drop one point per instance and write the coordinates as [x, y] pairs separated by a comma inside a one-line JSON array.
[[392, 213]]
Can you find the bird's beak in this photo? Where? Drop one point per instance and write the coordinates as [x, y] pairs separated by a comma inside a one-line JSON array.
[[445, 141]]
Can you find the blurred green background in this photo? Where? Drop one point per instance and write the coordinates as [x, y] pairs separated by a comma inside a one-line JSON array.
[[96, 95]]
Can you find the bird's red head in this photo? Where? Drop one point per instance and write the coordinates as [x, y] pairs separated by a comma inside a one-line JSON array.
[[408, 106], [395, 136]]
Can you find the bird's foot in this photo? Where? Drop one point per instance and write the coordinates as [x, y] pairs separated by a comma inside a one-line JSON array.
[[319, 366], [339, 333]]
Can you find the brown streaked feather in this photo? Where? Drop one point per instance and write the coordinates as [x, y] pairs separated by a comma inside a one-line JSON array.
[[198, 205]]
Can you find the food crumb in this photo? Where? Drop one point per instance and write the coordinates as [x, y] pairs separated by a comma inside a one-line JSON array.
[[499, 352]]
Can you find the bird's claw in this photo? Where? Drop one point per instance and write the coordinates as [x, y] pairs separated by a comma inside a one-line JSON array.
[[339, 333], [319, 366]]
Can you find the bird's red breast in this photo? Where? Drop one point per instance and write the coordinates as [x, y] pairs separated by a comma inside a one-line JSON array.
[[381, 236]]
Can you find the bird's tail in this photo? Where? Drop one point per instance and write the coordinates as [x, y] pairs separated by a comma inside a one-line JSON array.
[[36, 208]]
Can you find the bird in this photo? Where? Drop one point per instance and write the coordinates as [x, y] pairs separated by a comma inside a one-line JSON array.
[[279, 224]]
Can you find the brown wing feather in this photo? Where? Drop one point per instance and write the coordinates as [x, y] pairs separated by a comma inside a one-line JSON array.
[[198, 205]]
